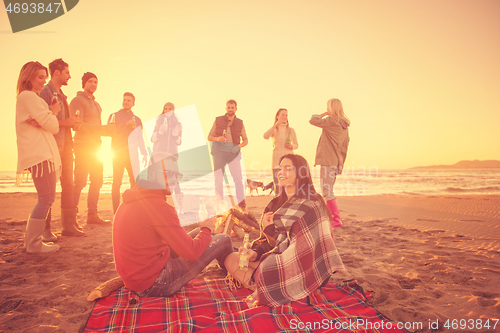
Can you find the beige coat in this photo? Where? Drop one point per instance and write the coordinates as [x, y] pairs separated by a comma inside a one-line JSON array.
[[333, 142], [35, 144]]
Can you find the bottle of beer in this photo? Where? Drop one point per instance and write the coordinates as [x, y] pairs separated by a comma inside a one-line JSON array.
[[244, 255], [202, 212], [77, 115], [54, 98]]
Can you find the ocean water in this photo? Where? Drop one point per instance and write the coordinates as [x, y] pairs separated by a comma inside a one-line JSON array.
[[350, 183]]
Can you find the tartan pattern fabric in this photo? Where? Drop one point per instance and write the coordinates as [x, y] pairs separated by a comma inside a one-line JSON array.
[[209, 306], [301, 260]]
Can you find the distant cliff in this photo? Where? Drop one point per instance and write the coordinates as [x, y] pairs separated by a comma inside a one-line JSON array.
[[475, 164]]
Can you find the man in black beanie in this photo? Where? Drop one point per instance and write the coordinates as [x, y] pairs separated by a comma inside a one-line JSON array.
[[87, 142]]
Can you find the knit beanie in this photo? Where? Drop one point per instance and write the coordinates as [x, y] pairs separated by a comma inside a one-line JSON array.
[[86, 77]]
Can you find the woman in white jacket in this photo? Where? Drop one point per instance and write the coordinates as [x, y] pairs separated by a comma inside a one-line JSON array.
[[36, 125]]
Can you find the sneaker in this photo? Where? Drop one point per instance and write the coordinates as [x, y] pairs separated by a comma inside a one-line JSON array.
[[94, 218]]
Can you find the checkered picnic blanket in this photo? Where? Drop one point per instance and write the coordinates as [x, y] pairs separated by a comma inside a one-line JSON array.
[[209, 306]]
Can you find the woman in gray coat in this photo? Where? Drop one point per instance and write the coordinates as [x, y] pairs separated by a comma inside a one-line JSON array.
[[331, 151]]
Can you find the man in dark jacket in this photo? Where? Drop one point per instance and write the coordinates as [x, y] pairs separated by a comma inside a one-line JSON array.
[[59, 76], [124, 157], [228, 136]]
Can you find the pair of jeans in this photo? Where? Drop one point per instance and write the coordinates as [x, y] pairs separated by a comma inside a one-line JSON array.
[[232, 160], [67, 185], [328, 175], [88, 165], [179, 271], [44, 178], [121, 161]]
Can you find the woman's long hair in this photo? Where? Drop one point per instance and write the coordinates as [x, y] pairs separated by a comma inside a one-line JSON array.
[[304, 187], [335, 109], [28, 71]]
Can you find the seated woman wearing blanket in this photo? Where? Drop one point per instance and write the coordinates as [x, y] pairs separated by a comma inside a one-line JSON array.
[[295, 254]]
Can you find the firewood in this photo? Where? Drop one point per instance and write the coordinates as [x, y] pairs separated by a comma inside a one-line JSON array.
[[243, 225], [237, 230], [228, 225], [246, 217], [105, 289], [219, 224]]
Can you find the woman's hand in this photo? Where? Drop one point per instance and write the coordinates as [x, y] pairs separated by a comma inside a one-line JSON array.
[[324, 114], [55, 108], [33, 122], [267, 219], [288, 145], [252, 255], [163, 129]]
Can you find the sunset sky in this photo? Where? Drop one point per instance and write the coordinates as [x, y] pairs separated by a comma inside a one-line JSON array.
[[420, 80]]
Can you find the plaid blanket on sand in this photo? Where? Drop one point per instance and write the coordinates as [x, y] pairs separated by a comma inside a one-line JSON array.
[[209, 306], [304, 257]]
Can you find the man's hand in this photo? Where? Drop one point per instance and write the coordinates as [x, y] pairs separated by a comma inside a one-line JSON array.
[[131, 123], [72, 122], [55, 108], [208, 223], [288, 145], [221, 139], [235, 149]]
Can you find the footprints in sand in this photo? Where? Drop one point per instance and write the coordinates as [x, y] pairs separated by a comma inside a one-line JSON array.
[[411, 271]]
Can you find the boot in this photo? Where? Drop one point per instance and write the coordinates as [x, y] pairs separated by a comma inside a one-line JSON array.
[[178, 200], [69, 222], [33, 237], [47, 235], [77, 225], [94, 218], [334, 209]]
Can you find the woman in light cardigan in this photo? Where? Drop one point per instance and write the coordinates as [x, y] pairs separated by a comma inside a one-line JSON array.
[[36, 125], [331, 151], [284, 142]]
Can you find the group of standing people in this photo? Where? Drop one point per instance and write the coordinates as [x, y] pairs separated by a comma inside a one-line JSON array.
[[46, 147]]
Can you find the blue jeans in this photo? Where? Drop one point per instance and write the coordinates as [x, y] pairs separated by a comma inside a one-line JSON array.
[[179, 271], [121, 161], [87, 164], [221, 159], [45, 184], [67, 185]]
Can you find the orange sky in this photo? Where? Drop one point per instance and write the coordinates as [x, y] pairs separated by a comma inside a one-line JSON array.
[[420, 80]]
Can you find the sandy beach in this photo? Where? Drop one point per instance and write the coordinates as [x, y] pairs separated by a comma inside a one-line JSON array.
[[425, 258]]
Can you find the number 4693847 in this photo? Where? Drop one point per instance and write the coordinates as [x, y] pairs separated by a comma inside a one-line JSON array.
[[32, 8]]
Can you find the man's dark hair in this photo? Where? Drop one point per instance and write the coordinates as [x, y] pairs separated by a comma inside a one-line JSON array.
[[57, 64], [232, 101]]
